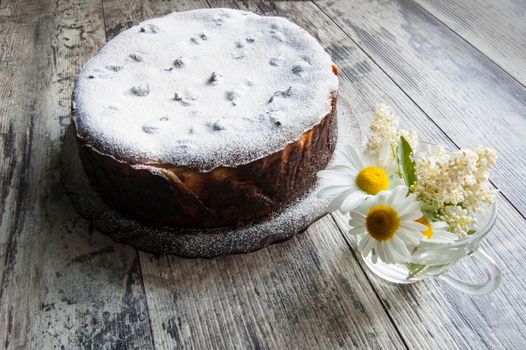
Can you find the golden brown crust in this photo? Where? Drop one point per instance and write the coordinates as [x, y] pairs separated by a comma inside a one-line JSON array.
[[224, 196]]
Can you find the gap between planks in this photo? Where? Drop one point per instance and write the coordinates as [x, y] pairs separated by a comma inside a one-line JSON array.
[[497, 30], [505, 71]]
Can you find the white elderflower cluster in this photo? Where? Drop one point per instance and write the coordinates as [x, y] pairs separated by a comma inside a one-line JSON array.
[[454, 185], [457, 218], [385, 130]]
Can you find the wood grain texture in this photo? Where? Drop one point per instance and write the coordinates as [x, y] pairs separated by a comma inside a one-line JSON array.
[[61, 285], [306, 293], [427, 314], [497, 29], [64, 285], [120, 15], [469, 97]]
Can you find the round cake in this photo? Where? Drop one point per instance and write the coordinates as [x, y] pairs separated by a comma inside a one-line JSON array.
[[206, 118]]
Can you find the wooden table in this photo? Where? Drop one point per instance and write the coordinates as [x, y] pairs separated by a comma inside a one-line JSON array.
[[454, 70]]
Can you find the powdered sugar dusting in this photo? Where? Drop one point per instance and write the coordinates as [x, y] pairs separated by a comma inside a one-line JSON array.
[[204, 88]]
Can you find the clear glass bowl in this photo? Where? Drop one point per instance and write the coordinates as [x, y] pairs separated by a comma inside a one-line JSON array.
[[435, 259]]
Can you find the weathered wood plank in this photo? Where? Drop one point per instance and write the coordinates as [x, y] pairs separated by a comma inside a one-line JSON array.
[[61, 285], [305, 293], [308, 292], [464, 93], [497, 29], [428, 314]]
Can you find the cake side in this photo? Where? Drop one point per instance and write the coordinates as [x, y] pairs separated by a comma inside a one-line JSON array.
[[224, 196]]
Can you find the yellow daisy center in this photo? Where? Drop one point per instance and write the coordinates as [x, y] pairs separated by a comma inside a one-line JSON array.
[[372, 180], [429, 231], [382, 222]]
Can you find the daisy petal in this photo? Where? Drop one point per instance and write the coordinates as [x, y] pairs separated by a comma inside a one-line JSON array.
[[394, 256], [336, 203], [368, 244], [389, 256], [356, 220], [411, 216], [413, 226], [409, 236], [400, 247], [382, 253], [395, 181], [374, 256], [358, 230], [364, 242], [437, 225], [382, 197], [412, 207], [397, 196], [443, 236], [364, 207], [351, 202], [354, 156], [337, 177], [331, 191]]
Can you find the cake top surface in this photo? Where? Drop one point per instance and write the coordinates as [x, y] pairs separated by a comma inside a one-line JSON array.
[[204, 88]]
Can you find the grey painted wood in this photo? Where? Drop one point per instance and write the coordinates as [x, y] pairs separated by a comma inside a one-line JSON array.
[[122, 14], [306, 293], [61, 284], [427, 314], [496, 28], [467, 95]]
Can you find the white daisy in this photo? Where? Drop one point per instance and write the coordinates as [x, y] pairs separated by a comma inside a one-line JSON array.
[[437, 232], [386, 227], [359, 176]]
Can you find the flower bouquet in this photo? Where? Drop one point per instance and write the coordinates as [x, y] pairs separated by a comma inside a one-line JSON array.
[[414, 209]]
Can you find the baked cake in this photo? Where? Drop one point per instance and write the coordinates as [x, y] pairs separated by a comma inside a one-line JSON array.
[[206, 118]]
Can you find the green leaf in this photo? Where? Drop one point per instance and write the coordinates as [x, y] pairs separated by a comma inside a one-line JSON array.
[[419, 270], [415, 269], [406, 162], [471, 232]]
